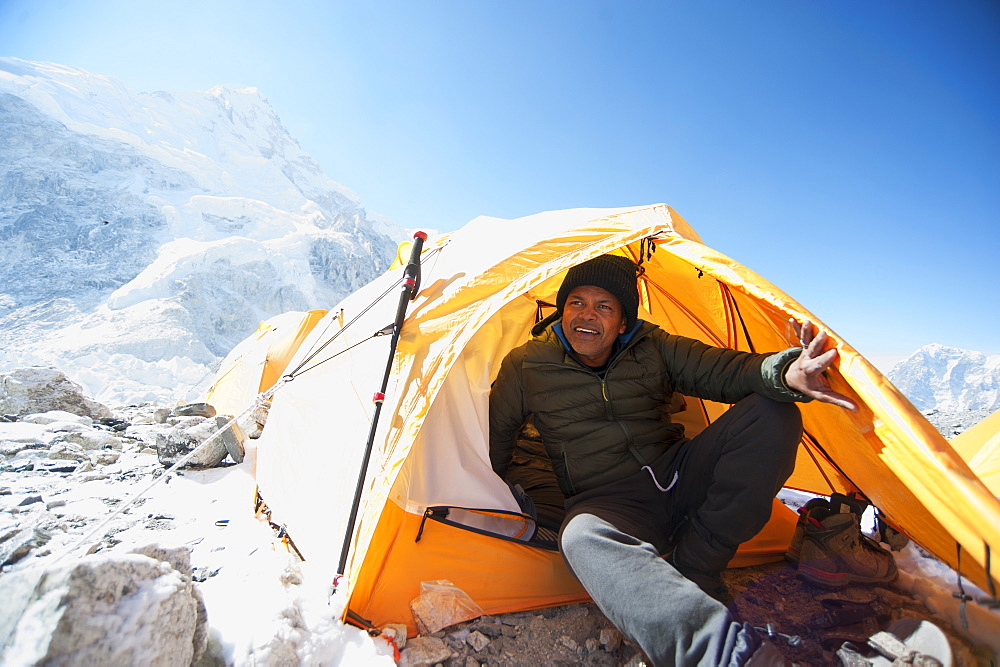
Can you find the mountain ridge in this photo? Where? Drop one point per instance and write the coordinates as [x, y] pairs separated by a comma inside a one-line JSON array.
[[949, 379], [145, 234]]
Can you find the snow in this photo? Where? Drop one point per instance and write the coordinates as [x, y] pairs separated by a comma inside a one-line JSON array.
[[263, 603], [949, 379], [157, 230]]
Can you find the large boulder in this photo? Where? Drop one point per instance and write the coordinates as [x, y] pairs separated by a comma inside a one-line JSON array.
[[40, 389], [191, 433], [118, 609]]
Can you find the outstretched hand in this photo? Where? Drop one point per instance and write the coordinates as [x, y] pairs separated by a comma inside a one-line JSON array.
[[807, 373]]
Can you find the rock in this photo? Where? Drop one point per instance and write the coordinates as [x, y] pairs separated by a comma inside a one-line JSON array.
[[104, 609], [38, 389], [18, 543], [395, 632], [92, 439], [66, 451], [477, 640], [569, 642], [21, 436], [105, 457], [194, 410], [179, 559], [424, 651], [160, 415], [491, 630], [202, 574], [591, 645], [181, 439], [232, 439], [611, 639], [459, 635], [116, 425], [254, 424], [55, 417]]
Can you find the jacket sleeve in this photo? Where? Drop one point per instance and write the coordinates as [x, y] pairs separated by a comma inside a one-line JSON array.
[[507, 412], [773, 371], [724, 375]]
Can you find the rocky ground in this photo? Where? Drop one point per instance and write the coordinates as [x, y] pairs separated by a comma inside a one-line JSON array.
[[581, 635], [950, 424]]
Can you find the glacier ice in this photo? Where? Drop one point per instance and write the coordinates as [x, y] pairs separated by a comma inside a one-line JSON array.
[[142, 235]]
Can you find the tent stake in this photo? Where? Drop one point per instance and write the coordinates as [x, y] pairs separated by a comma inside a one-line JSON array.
[[408, 292]]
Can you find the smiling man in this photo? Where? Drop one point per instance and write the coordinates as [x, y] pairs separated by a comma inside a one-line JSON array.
[[593, 321], [598, 382]]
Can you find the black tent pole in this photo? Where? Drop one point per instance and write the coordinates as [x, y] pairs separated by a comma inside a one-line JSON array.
[[408, 292]]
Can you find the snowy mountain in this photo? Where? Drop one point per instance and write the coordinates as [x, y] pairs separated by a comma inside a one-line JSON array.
[[142, 235], [949, 379]]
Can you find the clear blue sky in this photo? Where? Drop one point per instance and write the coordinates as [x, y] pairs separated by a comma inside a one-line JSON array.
[[847, 151]]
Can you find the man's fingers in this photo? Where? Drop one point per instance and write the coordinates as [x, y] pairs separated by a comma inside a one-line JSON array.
[[803, 330], [816, 365], [837, 399], [808, 332]]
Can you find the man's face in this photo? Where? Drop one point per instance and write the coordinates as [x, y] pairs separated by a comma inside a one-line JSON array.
[[592, 318]]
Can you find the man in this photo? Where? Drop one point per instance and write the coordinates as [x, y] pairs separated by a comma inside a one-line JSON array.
[[598, 383]]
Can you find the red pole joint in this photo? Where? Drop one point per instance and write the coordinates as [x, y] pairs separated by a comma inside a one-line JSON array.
[[378, 397]]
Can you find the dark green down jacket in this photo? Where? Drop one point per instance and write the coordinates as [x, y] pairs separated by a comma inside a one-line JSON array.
[[600, 430]]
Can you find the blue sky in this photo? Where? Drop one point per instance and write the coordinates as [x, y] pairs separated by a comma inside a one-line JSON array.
[[847, 151]]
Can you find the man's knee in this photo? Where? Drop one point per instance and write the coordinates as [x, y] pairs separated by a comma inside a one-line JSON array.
[[578, 533], [784, 419], [577, 540], [588, 536]]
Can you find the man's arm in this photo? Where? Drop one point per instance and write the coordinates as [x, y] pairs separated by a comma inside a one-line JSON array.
[[507, 415], [806, 374], [720, 374]]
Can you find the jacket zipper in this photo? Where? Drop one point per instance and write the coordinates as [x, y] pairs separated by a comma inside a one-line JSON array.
[[607, 409], [609, 412], [607, 401]]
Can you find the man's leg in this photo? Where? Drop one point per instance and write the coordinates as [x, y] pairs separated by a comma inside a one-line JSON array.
[[673, 621], [729, 476]]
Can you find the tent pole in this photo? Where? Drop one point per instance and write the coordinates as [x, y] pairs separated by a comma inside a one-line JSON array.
[[408, 292]]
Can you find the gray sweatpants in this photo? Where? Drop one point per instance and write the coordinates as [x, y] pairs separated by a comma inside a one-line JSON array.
[[726, 478]]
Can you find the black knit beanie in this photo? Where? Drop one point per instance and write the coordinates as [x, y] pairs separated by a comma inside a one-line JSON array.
[[613, 273]]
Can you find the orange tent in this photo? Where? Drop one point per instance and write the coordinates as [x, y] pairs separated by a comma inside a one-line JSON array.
[[258, 361], [482, 289], [979, 446]]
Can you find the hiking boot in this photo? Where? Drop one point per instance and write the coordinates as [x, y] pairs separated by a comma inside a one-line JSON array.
[[837, 504], [792, 553], [835, 553]]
